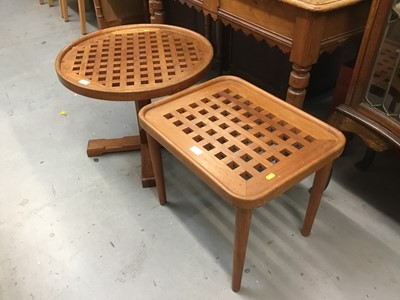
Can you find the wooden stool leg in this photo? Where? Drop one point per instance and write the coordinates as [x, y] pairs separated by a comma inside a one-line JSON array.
[[82, 15], [156, 160], [64, 10], [320, 180], [147, 168], [242, 229]]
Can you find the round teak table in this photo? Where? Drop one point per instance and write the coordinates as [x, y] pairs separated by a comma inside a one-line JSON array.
[[133, 63]]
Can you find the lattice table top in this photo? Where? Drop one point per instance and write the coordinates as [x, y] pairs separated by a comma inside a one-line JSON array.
[[241, 140], [134, 62]]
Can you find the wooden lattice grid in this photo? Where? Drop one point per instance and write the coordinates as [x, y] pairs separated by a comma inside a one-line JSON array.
[[245, 137], [155, 59]]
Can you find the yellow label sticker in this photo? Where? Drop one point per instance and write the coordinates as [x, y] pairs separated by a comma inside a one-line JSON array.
[[270, 176]]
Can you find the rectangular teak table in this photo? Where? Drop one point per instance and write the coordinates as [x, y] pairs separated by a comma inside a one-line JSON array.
[[245, 144]]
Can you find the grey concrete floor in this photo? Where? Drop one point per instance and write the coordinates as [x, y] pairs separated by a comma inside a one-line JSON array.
[[73, 227]]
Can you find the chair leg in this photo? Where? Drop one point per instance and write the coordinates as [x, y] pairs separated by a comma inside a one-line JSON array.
[[156, 160], [64, 9], [82, 15], [242, 229], [50, 2], [320, 180]]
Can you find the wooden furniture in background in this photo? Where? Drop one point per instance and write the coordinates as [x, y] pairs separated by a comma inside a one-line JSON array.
[[378, 126], [49, 2], [81, 12], [305, 28], [120, 12], [245, 144], [133, 63]]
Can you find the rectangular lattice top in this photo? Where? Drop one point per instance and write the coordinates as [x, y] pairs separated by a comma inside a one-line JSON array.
[[246, 141]]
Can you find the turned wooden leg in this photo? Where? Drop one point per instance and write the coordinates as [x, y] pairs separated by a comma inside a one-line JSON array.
[[82, 15], [320, 180], [101, 21], [157, 14], [156, 160], [242, 229], [298, 82]]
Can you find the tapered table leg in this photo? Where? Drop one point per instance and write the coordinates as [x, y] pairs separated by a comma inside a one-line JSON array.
[[156, 159], [320, 180], [242, 228]]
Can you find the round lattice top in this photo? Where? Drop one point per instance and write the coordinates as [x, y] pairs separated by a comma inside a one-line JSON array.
[[134, 62]]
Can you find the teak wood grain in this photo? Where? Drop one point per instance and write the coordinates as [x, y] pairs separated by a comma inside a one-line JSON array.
[[133, 63], [245, 144]]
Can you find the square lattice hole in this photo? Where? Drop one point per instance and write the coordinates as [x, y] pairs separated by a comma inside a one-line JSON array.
[[234, 148], [246, 157], [181, 110], [168, 116], [259, 150], [248, 102], [198, 138], [234, 133], [203, 112], [271, 128], [309, 138], [190, 117], [258, 109], [222, 140], [284, 137], [225, 113], [273, 160], [208, 147], [220, 155], [187, 130], [232, 165], [235, 120], [211, 132], [270, 116], [272, 143], [237, 107], [247, 127], [247, 142], [200, 124], [282, 123], [205, 100], [295, 130], [246, 175], [259, 135], [259, 167], [285, 152], [298, 145], [213, 118], [227, 101], [247, 114], [215, 106], [178, 123], [224, 126], [259, 122], [193, 105]]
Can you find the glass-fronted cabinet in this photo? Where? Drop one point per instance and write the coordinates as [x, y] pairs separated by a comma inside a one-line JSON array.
[[372, 106]]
